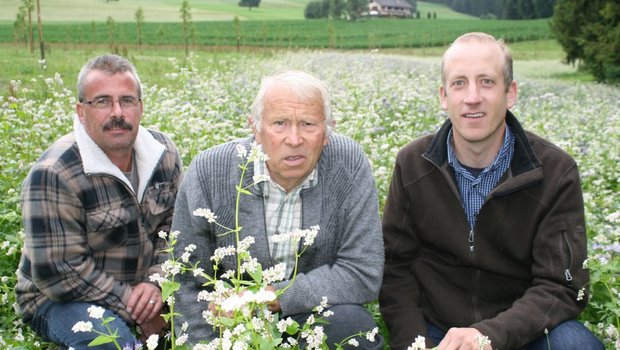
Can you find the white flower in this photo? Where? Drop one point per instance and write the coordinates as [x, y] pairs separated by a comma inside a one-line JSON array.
[[82, 326], [274, 274], [157, 278], [162, 234], [198, 271], [372, 334], [95, 312], [260, 178], [242, 152], [190, 248], [181, 340], [222, 252], [151, 342], [205, 213], [353, 342], [483, 341], [418, 344], [580, 294], [185, 257], [245, 244]]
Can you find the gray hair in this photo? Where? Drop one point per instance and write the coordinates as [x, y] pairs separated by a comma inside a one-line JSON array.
[[110, 64], [305, 86], [484, 38]]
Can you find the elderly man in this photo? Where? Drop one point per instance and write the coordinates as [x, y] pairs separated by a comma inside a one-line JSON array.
[[312, 177], [92, 208], [484, 222]]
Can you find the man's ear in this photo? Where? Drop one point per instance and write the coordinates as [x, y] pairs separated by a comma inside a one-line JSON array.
[[79, 110], [443, 97], [251, 123]]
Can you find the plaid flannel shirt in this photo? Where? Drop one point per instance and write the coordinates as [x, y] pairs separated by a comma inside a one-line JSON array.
[[89, 236]]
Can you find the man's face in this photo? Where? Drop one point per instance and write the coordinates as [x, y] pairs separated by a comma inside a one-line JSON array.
[[114, 129], [293, 134], [474, 94]]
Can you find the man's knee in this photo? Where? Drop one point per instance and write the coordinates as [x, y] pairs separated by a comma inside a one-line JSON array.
[[348, 320], [573, 335]]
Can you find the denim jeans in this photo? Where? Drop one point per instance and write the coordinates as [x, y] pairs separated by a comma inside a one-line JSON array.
[[347, 320], [53, 321], [568, 335]]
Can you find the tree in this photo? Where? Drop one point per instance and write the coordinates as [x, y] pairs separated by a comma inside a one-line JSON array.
[[139, 22], [111, 32], [589, 32], [20, 26], [186, 16], [314, 9], [40, 27], [249, 3], [356, 7], [28, 5]]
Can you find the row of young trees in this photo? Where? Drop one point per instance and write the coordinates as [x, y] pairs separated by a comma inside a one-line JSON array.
[[502, 9], [23, 26]]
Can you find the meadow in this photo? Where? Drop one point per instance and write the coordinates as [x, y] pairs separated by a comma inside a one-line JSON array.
[[381, 100]]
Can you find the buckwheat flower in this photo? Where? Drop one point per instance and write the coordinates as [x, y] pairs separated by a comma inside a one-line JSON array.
[[239, 330], [171, 268], [190, 248], [199, 271], [353, 342], [372, 334], [249, 265], [151, 342], [181, 340], [242, 152], [245, 244], [220, 253], [585, 263], [185, 257], [311, 319], [205, 213], [162, 234], [580, 294], [229, 274], [282, 325], [82, 326], [240, 345], [174, 235], [483, 341], [264, 296], [257, 323], [95, 312], [274, 274], [156, 278], [418, 344], [310, 235], [328, 313]]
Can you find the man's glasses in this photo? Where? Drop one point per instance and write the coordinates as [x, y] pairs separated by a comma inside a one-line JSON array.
[[106, 102]]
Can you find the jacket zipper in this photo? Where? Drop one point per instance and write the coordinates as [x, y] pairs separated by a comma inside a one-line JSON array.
[[567, 274], [470, 240]]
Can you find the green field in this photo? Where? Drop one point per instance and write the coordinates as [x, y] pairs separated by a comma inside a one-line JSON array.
[[168, 10], [362, 34]]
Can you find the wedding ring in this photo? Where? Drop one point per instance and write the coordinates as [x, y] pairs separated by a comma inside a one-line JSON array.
[[151, 301]]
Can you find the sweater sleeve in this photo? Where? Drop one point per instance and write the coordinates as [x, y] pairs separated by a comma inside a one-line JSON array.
[[399, 297]]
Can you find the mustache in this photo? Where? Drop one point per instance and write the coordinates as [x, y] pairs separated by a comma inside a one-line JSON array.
[[117, 123]]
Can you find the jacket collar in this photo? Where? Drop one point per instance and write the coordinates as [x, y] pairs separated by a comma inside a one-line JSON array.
[[523, 160], [148, 153]]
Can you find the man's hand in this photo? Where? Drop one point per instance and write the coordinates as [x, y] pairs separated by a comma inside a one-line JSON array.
[[463, 339], [144, 302], [153, 326], [275, 305]]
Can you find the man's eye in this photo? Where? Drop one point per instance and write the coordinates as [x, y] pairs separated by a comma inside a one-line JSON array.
[[102, 102], [128, 101]]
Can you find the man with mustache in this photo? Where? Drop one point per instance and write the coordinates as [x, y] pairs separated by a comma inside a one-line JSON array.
[[92, 208], [312, 177], [484, 222]]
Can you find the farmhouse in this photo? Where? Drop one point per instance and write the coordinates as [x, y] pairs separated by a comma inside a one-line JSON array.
[[390, 8]]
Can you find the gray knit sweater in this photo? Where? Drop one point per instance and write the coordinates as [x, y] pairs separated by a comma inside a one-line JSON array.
[[345, 263]]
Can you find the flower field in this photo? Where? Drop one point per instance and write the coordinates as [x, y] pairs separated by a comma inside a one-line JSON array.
[[382, 101]]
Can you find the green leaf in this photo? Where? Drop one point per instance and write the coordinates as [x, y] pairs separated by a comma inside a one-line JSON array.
[[168, 288], [102, 339]]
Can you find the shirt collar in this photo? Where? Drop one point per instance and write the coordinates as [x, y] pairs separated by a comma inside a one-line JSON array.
[[261, 175], [503, 152]]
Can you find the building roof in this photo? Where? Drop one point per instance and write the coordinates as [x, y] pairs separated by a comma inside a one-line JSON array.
[[394, 3]]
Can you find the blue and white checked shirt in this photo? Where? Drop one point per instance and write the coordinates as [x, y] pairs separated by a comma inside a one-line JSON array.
[[475, 188]]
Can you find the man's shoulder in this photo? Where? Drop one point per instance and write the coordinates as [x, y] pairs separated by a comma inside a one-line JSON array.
[[61, 153], [546, 150], [343, 146]]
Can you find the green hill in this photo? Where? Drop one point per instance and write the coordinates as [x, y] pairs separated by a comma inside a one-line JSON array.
[[168, 10]]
